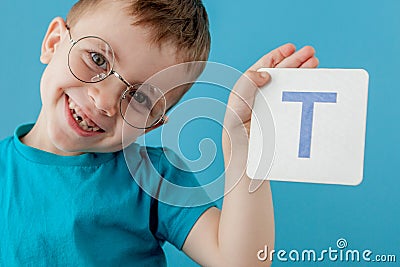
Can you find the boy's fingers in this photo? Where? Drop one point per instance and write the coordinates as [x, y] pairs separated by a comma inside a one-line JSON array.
[[273, 58], [297, 59], [310, 63]]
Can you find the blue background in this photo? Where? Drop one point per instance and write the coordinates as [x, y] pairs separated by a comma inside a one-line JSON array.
[[346, 34]]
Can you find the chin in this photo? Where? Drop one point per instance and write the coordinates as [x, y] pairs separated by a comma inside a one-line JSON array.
[[63, 145]]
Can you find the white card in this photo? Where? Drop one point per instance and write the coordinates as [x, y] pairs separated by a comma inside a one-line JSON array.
[[308, 125]]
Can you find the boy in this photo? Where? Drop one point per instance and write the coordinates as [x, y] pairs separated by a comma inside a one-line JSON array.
[[67, 197]]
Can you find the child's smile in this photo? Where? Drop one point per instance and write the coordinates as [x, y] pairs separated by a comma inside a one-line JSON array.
[[82, 123]]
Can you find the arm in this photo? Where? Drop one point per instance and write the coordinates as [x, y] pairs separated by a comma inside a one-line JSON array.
[[233, 236]]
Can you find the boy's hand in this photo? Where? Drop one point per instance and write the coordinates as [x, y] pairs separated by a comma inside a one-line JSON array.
[[240, 103], [242, 97]]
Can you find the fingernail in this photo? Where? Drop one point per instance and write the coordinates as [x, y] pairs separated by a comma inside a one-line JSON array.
[[263, 75]]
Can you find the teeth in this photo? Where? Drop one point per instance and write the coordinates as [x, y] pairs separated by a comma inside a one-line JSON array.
[[71, 104], [83, 124]]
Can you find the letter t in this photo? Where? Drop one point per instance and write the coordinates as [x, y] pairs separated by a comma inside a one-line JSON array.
[[307, 99]]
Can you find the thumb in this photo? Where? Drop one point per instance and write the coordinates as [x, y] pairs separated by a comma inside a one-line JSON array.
[[259, 77], [249, 82]]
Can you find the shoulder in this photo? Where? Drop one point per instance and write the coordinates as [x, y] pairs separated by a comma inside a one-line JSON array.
[[6, 145], [162, 160], [170, 165], [165, 176], [8, 156], [157, 153]]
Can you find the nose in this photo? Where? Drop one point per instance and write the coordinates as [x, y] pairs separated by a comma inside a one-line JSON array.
[[105, 99]]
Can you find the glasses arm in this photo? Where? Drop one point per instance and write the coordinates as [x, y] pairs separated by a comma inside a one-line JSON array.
[[69, 34]]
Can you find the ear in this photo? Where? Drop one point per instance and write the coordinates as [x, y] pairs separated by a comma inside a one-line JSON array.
[[158, 124], [52, 39]]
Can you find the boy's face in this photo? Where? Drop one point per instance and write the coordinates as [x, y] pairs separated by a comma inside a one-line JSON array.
[[136, 59]]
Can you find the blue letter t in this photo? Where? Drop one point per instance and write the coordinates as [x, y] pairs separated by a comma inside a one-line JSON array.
[[308, 99]]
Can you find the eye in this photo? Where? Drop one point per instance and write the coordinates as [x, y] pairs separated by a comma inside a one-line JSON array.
[[99, 60], [139, 97]]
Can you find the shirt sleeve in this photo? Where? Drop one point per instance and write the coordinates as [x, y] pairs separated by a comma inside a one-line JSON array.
[[180, 200]]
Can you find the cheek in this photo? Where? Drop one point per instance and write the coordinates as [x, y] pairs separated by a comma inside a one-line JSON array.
[[56, 76]]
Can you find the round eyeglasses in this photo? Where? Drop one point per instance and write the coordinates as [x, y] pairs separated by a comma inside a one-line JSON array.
[[91, 60]]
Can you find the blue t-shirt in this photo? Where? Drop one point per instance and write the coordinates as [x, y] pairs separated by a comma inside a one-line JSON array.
[[86, 210]]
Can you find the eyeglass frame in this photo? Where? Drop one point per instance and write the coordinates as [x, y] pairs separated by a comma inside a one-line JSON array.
[[130, 86]]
